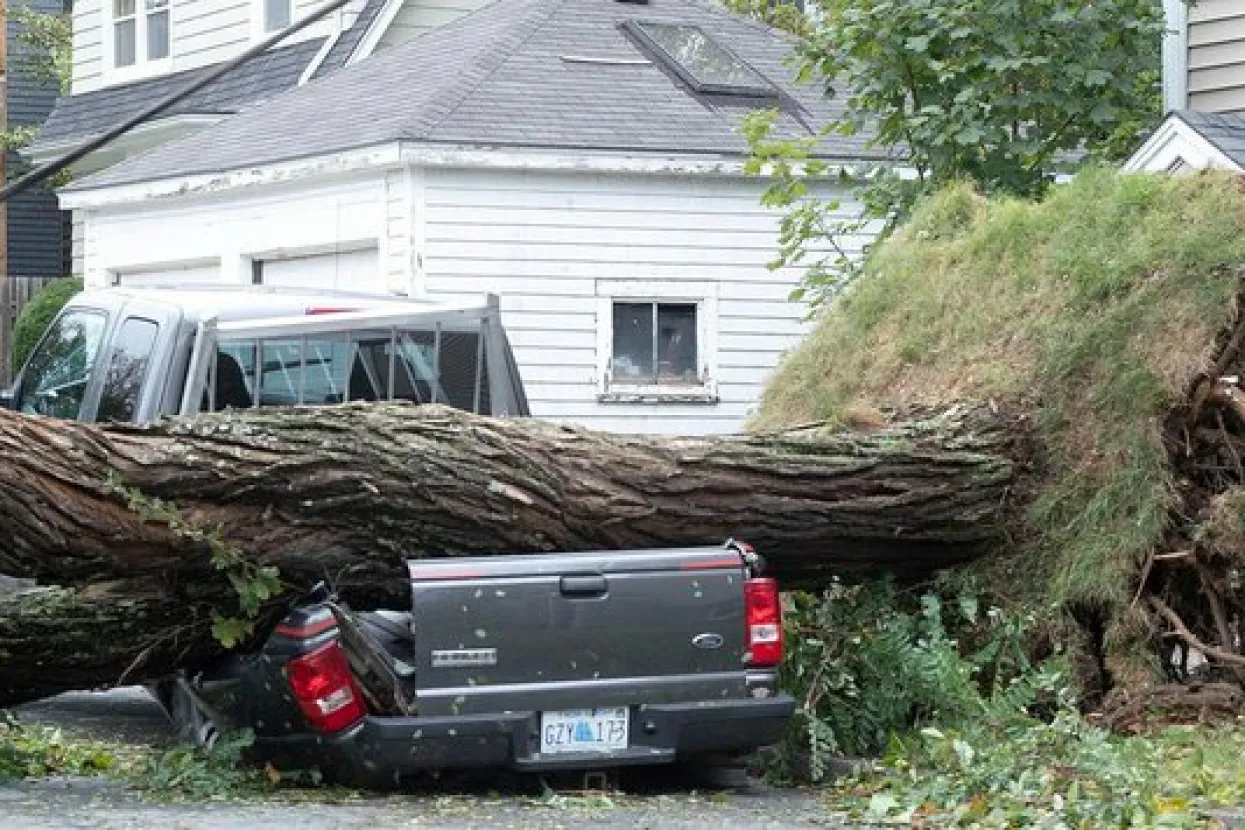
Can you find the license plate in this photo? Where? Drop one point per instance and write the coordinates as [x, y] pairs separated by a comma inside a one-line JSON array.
[[584, 730]]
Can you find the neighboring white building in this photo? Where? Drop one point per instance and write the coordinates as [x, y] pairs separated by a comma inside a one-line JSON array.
[[1203, 91], [580, 158]]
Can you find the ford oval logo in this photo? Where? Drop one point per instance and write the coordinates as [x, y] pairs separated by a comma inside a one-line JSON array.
[[708, 640]]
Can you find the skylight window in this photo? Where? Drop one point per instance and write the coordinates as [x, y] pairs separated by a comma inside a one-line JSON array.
[[706, 65]]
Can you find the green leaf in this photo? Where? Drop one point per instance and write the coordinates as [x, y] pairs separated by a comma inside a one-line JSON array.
[[229, 631]]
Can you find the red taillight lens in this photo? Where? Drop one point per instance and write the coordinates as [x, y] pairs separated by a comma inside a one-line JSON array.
[[764, 622], [325, 689]]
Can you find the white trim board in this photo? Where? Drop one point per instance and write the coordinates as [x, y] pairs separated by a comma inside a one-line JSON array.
[[372, 37], [1176, 55], [400, 154]]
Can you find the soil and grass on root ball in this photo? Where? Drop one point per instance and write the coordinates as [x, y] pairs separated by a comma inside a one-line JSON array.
[[1105, 323]]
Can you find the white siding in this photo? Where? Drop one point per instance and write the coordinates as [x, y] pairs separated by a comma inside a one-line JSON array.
[[281, 223], [545, 242], [76, 240], [1216, 55], [419, 16], [87, 45], [210, 31], [556, 247]]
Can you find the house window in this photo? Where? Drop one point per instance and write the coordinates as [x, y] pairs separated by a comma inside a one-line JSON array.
[[277, 14], [656, 341], [124, 33], [140, 31], [157, 29]]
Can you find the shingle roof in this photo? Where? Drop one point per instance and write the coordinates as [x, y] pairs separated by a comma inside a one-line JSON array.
[[1225, 130], [517, 73], [77, 117]]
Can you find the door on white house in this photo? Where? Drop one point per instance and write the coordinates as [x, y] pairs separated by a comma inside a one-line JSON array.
[[172, 275], [342, 270]]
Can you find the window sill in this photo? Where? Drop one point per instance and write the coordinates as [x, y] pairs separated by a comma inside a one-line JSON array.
[[116, 75], [705, 395]]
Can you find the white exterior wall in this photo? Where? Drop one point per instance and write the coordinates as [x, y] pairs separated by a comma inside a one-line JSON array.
[[225, 233], [88, 55], [1215, 42], [556, 246]]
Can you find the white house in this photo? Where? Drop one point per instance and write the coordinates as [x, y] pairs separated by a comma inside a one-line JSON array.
[[580, 158], [1203, 91]]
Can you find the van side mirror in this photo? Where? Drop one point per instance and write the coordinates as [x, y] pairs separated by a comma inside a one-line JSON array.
[[6, 398]]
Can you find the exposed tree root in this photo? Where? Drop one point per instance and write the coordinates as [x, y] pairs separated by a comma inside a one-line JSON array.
[[1135, 711]]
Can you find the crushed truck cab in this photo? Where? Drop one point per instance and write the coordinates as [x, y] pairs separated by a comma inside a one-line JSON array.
[[544, 662]]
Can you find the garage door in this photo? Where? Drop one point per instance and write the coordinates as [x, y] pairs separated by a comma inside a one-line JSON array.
[[352, 270], [170, 276]]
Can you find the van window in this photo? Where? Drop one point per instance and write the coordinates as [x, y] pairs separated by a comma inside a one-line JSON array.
[[127, 370], [57, 375]]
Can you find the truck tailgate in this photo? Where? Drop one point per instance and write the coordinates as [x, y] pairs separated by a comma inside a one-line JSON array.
[[556, 631]]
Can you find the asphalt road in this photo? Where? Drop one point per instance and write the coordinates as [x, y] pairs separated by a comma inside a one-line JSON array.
[[128, 716]]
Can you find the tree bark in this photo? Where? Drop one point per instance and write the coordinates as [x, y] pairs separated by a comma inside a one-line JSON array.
[[350, 492]]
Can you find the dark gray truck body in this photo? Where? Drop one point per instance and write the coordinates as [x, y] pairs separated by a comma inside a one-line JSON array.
[[514, 654]]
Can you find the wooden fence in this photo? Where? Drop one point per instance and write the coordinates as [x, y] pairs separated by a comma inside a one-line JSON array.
[[15, 292]]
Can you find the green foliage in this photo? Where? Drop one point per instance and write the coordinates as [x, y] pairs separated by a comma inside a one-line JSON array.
[[253, 584], [41, 50], [991, 90], [1090, 310], [866, 662], [1061, 774], [781, 14], [996, 93], [38, 315], [44, 45], [38, 751], [187, 772]]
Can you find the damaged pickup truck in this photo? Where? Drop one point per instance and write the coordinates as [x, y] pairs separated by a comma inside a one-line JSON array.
[[570, 661], [546, 662]]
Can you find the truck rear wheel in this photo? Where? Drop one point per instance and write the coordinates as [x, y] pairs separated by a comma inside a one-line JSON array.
[[192, 722]]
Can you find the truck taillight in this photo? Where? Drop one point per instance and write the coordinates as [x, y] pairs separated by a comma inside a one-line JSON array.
[[764, 622], [324, 688]]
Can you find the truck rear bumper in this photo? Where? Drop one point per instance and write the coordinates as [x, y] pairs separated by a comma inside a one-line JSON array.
[[379, 751]]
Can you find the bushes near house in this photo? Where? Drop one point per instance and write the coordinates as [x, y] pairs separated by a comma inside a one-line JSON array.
[[38, 314]]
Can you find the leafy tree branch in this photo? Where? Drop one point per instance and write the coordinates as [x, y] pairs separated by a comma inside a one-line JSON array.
[[1004, 93]]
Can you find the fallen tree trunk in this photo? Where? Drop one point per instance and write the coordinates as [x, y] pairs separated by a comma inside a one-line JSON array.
[[55, 639], [350, 492]]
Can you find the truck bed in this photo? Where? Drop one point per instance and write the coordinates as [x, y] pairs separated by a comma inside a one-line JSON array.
[[580, 629]]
